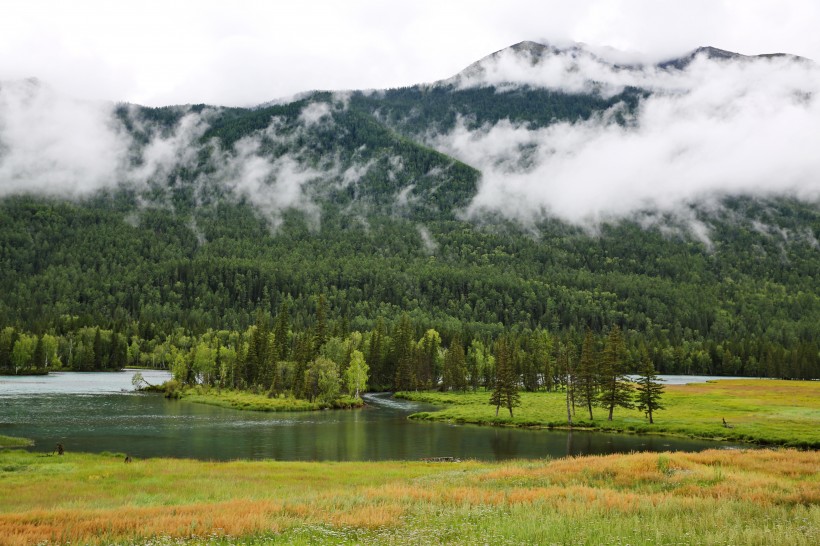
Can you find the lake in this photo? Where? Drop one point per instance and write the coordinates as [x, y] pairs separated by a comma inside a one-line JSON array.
[[95, 412]]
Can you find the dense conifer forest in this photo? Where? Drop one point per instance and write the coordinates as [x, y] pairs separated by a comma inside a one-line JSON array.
[[189, 266]]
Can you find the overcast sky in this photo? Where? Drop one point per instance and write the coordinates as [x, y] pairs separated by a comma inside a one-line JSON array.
[[243, 52]]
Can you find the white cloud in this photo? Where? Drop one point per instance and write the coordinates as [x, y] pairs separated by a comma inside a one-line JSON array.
[[314, 113], [53, 145], [158, 52], [715, 128], [427, 240], [272, 186]]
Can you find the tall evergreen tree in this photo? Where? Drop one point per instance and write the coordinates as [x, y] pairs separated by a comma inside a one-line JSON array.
[[404, 355], [455, 367], [375, 356], [321, 322], [38, 358], [587, 376], [566, 372], [649, 388], [427, 355], [505, 391], [280, 332], [616, 389], [97, 358]]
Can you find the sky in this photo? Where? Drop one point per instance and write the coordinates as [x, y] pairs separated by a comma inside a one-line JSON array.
[[242, 53]]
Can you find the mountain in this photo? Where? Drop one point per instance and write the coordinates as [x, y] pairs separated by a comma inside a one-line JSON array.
[[506, 198]]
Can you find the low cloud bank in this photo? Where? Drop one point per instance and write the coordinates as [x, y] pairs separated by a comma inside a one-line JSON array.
[[717, 127], [55, 146]]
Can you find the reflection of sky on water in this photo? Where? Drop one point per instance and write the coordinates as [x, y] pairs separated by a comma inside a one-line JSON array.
[[86, 383]]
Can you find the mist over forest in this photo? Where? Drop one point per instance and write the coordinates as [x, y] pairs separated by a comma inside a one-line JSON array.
[[542, 188]]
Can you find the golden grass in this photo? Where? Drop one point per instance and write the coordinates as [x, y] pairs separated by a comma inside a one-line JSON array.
[[713, 497]]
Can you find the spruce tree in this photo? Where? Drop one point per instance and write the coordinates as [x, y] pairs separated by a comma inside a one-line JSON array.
[[616, 390], [587, 377], [505, 391], [375, 356], [321, 322], [97, 358], [455, 367], [38, 357], [649, 389], [280, 333], [404, 355]]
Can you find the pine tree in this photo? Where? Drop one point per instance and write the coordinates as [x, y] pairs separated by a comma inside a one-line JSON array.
[[587, 376], [280, 333], [616, 390], [321, 322], [649, 389], [427, 354], [375, 355], [566, 372], [505, 391], [38, 358], [404, 355], [97, 359], [455, 367]]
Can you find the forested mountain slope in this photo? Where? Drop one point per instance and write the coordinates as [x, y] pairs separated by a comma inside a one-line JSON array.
[[373, 200]]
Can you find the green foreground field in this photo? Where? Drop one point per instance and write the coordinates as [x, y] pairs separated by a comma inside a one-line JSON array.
[[713, 497], [760, 411]]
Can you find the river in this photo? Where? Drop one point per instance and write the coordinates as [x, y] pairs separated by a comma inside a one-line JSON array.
[[96, 412]]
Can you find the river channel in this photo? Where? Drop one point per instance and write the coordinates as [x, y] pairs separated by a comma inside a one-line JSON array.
[[96, 412]]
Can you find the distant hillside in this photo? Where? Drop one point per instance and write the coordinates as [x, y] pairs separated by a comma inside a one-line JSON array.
[[374, 200]]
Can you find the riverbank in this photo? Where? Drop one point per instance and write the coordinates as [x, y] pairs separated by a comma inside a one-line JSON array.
[[712, 497], [243, 400], [759, 411], [13, 441]]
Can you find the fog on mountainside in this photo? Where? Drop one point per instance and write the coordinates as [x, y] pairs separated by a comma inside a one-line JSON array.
[[656, 137], [542, 187]]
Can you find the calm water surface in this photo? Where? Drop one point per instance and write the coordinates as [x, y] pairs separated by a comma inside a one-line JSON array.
[[96, 412]]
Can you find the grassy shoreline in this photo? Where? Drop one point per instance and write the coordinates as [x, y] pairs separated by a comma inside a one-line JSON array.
[[712, 497], [247, 401], [762, 412], [14, 441]]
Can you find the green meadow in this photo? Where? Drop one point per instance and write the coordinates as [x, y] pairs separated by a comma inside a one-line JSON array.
[[760, 411]]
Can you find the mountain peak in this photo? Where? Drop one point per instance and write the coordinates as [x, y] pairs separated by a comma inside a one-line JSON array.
[[717, 54]]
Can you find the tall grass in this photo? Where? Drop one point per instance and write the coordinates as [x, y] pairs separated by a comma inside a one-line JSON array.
[[713, 497], [767, 412]]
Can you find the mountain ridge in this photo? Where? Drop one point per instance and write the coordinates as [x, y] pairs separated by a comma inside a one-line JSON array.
[[439, 201]]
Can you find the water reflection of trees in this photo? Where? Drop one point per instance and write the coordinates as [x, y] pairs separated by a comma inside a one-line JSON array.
[[504, 445]]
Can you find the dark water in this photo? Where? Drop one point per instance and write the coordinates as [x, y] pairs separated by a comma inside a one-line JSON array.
[[92, 413]]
